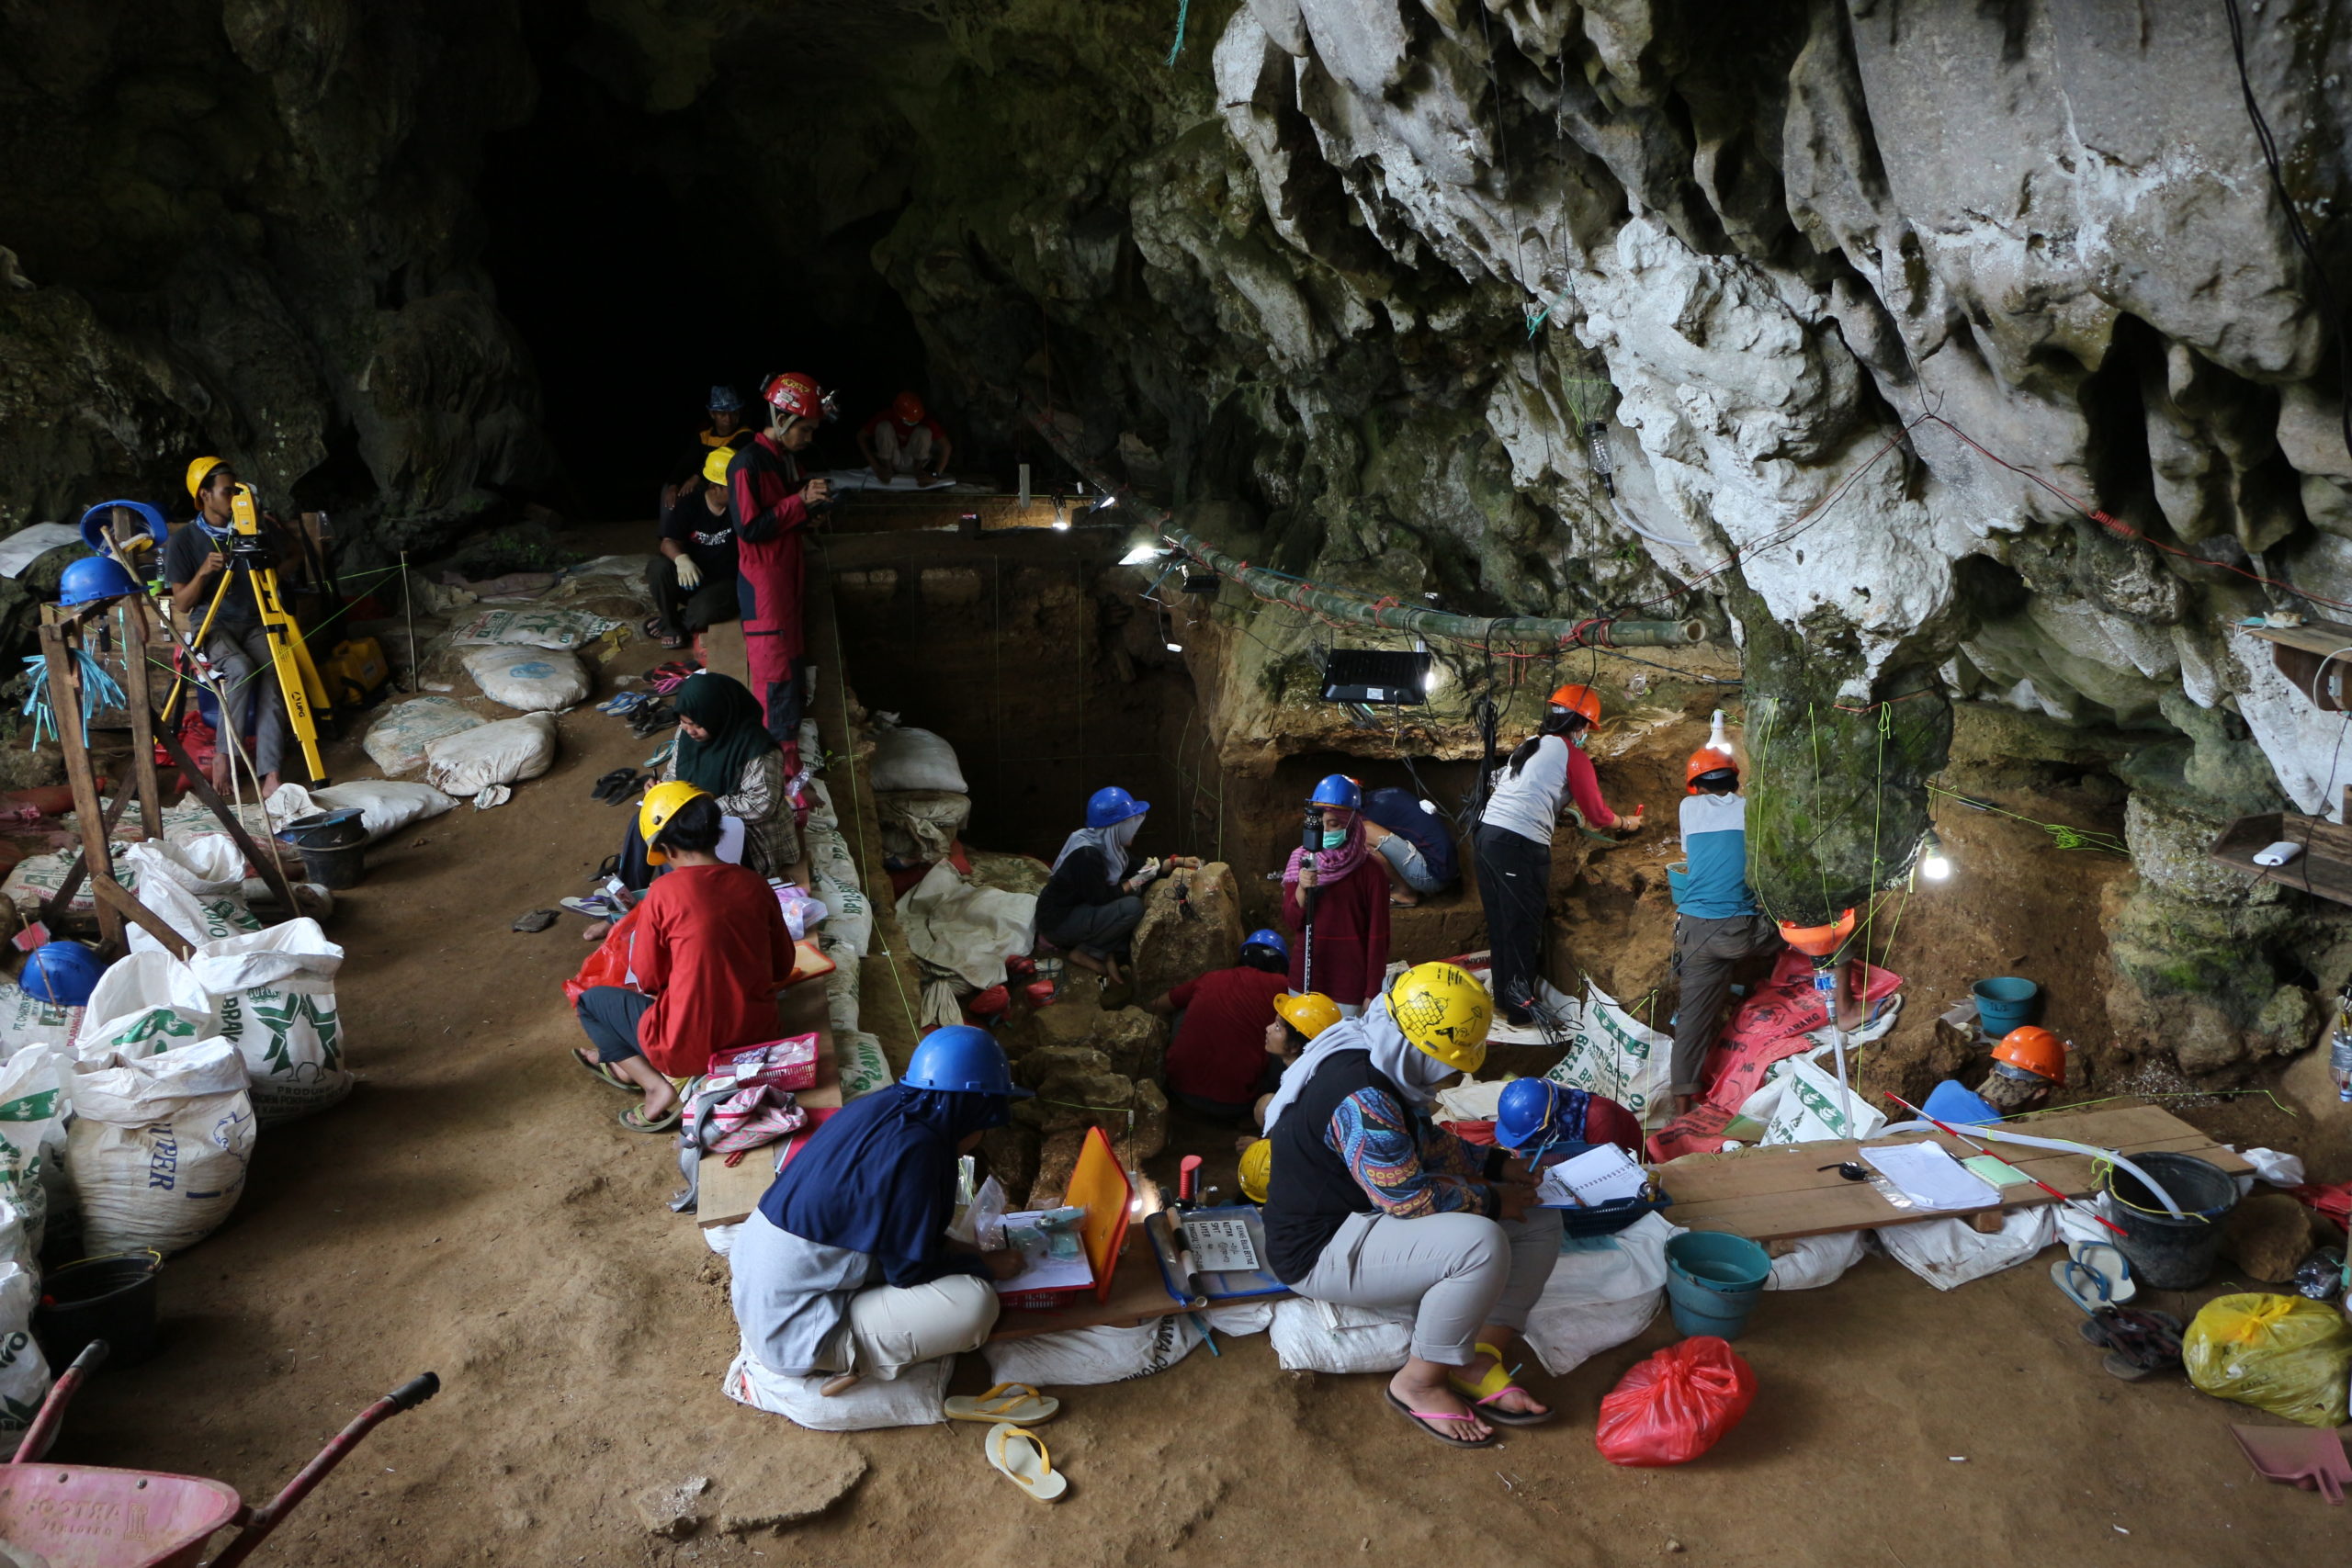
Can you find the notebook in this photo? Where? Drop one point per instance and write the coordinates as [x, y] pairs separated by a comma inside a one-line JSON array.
[[1602, 1174]]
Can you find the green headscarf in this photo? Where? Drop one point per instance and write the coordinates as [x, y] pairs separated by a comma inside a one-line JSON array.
[[724, 707]]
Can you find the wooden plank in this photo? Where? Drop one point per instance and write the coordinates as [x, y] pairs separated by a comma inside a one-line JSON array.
[[2313, 637], [113, 895], [2324, 869], [140, 691], [269, 868], [65, 703], [72, 883], [1136, 1296]]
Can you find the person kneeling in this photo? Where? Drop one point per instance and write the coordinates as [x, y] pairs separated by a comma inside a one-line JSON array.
[[1371, 1204], [845, 1266], [709, 951]]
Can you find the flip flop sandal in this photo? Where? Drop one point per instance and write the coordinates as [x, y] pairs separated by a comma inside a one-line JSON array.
[[2106, 1260], [1420, 1419], [2142, 1343], [634, 1120], [603, 1070], [1013, 1404], [535, 920], [1493, 1386], [2081, 1284], [1021, 1454], [604, 786]]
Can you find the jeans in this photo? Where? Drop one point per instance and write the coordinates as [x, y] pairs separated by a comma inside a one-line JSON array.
[[1455, 1273], [241, 657], [1411, 864]]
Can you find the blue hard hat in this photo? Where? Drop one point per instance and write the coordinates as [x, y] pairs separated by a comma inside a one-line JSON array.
[[1527, 1114], [1338, 789], [1113, 804], [94, 577], [1266, 936], [94, 530], [961, 1059], [725, 400], [63, 972]]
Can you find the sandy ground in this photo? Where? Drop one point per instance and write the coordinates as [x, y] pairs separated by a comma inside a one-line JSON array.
[[473, 1210]]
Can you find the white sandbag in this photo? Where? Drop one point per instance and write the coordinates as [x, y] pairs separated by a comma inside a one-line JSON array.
[[920, 823], [721, 1238], [822, 814], [543, 627], [25, 1019], [1813, 1261], [534, 680], [397, 741], [23, 1372], [863, 1064], [1603, 1291], [841, 986], [906, 758], [849, 919], [159, 1147], [1077, 1356], [1812, 1107], [915, 1398], [36, 879], [15, 1245], [1614, 1054], [32, 1135], [274, 993], [145, 1003], [192, 888], [1240, 1317], [1947, 1253], [386, 806], [504, 753], [1323, 1337]]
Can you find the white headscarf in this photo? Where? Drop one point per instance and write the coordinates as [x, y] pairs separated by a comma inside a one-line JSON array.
[[1111, 842], [1414, 1071]]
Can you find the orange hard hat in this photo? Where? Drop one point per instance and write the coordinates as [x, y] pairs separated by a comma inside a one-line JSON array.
[[1704, 760], [907, 408], [2034, 1050], [1580, 699]]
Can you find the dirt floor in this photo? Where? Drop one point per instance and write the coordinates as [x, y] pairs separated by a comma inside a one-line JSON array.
[[473, 1210]]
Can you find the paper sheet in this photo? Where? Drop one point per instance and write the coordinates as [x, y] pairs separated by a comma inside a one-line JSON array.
[[1599, 1175], [1930, 1178], [1220, 1246], [1044, 1274], [26, 546]]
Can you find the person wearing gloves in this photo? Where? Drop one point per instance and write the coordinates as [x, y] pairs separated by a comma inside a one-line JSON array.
[[1370, 1204], [1717, 925], [845, 1266], [692, 576], [1091, 902], [1338, 900], [1547, 774], [1217, 1064], [773, 507]]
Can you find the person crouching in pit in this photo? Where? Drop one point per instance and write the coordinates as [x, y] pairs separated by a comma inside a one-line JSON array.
[[708, 951]]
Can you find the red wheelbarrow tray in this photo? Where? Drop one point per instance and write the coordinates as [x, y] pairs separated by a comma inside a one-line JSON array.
[[81, 1516]]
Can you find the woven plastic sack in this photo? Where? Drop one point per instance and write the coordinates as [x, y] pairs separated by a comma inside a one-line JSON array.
[[1614, 1054], [864, 1066], [907, 758], [274, 993], [24, 1374], [193, 888], [532, 679], [2285, 1354], [1676, 1405], [505, 752], [159, 1147], [397, 741], [144, 1004], [32, 1135]]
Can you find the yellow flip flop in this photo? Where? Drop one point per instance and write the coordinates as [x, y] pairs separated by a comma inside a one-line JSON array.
[[1496, 1383], [1014, 1403], [1021, 1454]]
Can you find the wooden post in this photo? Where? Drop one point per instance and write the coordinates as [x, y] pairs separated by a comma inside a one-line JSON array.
[[137, 624], [65, 702], [119, 900]]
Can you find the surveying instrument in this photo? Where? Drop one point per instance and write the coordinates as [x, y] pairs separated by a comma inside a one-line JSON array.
[[298, 676]]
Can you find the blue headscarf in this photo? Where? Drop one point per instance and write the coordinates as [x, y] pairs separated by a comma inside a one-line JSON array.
[[880, 1177]]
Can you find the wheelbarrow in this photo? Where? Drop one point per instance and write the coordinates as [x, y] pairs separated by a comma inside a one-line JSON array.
[[83, 1516]]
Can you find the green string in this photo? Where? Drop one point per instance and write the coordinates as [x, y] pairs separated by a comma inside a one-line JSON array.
[[2062, 837], [865, 861]]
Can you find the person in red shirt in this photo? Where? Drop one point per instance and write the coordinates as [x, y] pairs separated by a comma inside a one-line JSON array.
[[707, 948], [905, 439], [1351, 893], [1217, 1062]]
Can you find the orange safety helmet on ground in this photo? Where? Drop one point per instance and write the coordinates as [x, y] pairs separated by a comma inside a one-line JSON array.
[[795, 394], [2033, 1050], [907, 408], [1580, 699]]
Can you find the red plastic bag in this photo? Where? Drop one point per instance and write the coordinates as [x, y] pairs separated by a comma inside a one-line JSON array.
[[608, 966], [1676, 1405]]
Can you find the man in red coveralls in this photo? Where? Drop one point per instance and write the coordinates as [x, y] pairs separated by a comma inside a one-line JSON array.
[[772, 507]]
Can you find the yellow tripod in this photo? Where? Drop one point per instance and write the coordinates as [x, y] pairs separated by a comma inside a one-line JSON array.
[[298, 676]]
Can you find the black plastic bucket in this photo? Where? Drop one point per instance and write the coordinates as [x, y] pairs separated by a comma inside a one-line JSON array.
[[2167, 1253], [111, 1298], [333, 844]]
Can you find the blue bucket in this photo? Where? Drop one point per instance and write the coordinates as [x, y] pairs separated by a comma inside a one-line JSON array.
[[2006, 1002], [1713, 1280]]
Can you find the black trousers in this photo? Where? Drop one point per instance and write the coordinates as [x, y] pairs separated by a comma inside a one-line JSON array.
[[684, 613], [1514, 874]]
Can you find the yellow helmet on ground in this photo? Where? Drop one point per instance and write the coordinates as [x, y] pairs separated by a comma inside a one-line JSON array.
[[197, 472], [714, 468], [662, 802], [1444, 1013], [1310, 1014], [1257, 1169]]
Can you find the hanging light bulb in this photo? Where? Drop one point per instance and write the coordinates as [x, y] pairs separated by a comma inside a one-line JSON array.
[[1143, 554], [1175, 648], [1933, 864], [1433, 677]]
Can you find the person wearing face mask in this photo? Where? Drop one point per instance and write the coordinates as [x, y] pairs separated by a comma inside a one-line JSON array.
[[1548, 774], [1370, 1204], [1093, 901], [1338, 899], [773, 507]]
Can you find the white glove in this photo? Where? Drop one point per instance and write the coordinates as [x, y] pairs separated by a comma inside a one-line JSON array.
[[689, 574]]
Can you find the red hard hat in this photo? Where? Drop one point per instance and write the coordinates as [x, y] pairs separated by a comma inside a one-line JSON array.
[[907, 408], [1583, 699], [795, 394], [2033, 1050]]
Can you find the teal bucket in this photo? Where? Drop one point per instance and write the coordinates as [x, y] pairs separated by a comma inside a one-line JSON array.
[[1713, 1280], [2006, 1002]]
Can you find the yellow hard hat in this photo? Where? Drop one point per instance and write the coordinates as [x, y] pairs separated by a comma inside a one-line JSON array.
[[1444, 1012], [1257, 1169], [1310, 1014], [662, 802], [196, 470], [714, 468]]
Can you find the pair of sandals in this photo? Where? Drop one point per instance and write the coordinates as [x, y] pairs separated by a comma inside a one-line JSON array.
[[634, 1119], [1018, 1453], [1497, 1382], [2139, 1344], [616, 788]]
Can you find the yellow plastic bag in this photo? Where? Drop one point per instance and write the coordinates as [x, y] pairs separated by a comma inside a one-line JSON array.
[[2283, 1354]]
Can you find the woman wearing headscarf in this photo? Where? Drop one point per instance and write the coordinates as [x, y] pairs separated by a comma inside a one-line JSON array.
[[1372, 1205], [845, 1266], [1349, 895], [1090, 903]]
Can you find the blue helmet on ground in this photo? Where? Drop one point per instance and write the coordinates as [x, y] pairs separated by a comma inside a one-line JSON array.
[[1338, 789], [961, 1059], [1268, 938], [1529, 1113], [94, 577], [726, 399], [63, 973], [1113, 804]]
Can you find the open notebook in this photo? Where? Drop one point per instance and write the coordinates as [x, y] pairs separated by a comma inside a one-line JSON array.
[[1602, 1174]]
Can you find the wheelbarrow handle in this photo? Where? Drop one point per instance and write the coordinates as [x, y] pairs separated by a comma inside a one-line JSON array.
[[415, 1391], [44, 1430], [262, 1521]]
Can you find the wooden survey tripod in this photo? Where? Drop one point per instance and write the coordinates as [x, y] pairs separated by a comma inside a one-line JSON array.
[[62, 634]]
